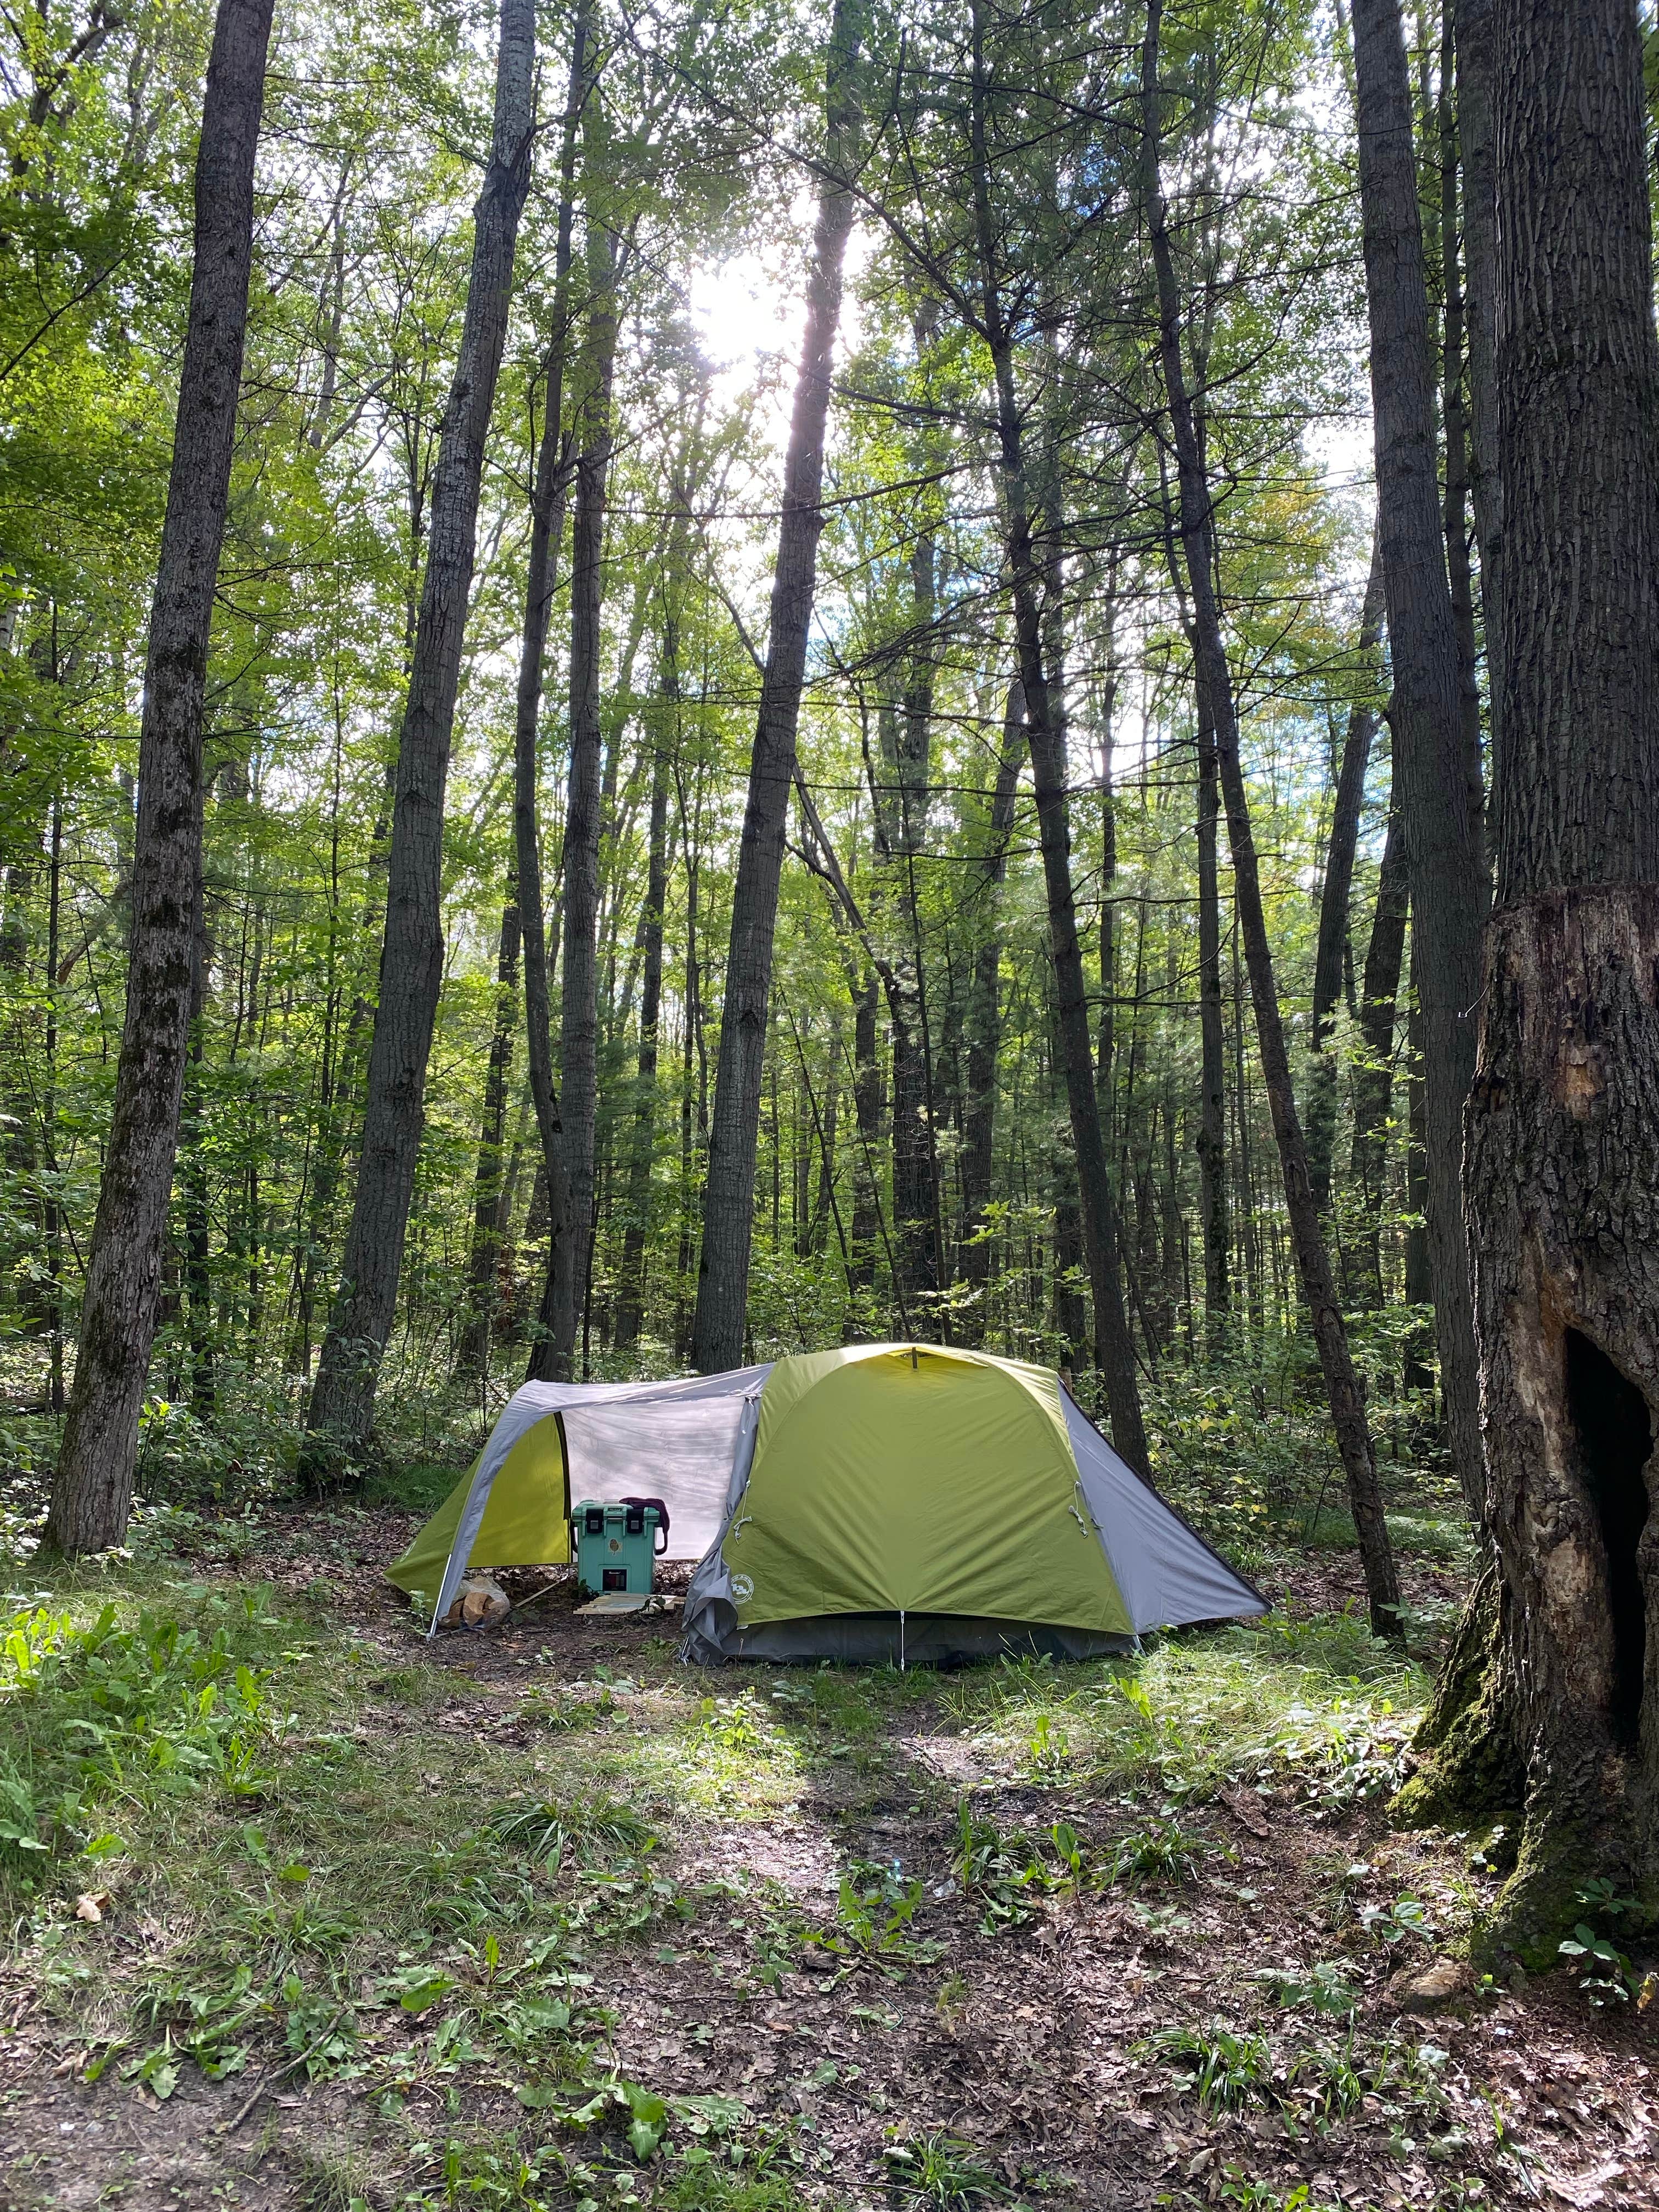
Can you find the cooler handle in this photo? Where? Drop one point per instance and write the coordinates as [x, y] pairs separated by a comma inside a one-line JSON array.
[[662, 1519]]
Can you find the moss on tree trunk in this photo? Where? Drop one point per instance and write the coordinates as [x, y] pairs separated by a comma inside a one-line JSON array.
[[1559, 1688]]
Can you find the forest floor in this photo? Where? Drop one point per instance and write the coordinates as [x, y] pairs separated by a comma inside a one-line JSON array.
[[542, 1918]]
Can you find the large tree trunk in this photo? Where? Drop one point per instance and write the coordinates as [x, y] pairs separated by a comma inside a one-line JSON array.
[[92, 1488], [630, 1306], [1438, 784], [1563, 1124], [983, 1023], [1373, 1074], [1472, 24], [555, 1319], [483, 1262], [1333, 940], [341, 1413], [1196, 532], [729, 1190], [579, 1026], [1114, 1351]]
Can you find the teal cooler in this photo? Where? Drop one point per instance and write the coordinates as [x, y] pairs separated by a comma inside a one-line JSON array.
[[617, 1545]]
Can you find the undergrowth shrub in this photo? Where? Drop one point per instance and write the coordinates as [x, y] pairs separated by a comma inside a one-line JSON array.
[[100, 1712], [1316, 1706], [1240, 1440]]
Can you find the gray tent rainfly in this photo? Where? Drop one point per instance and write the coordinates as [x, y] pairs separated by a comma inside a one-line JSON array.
[[555, 1442], [905, 1501]]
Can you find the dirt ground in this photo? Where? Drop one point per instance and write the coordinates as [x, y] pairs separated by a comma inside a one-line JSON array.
[[1029, 2050]]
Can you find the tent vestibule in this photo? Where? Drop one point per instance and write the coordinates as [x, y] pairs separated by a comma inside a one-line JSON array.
[[684, 1442]]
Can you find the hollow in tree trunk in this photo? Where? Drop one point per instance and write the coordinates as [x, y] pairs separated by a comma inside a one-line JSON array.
[[1563, 1122]]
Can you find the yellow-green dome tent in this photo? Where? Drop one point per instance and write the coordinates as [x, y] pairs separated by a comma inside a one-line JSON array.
[[912, 1502]]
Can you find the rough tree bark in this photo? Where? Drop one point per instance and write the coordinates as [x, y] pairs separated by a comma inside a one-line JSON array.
[[579, 1023], [630, 1301], [1196, 533], [1373, 1074], [983, 1021], [556, 1319], [729, 1190], [1333, 937], [1114, 1351], [339, 1418], [1437, 786], [483, 1261], [1563, 1122], [92, 1487]]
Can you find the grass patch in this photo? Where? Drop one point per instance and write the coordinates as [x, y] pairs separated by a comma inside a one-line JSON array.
[[1317, 1703], [241, 1844], [345, 1905], [1447, 1538], [413, 1486]]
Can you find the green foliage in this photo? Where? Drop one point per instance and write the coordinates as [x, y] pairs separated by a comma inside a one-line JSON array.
[[602, 1831], [1241, 1443], [942, 2171], [376, 121], [1605, 1973], [1250, 2195], [1324, 1987], [1313, 1706], [1226, 2069], [1391, 1925], [1007, 1872], [100, 1714], [1163, 1851], [875, 1908]]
